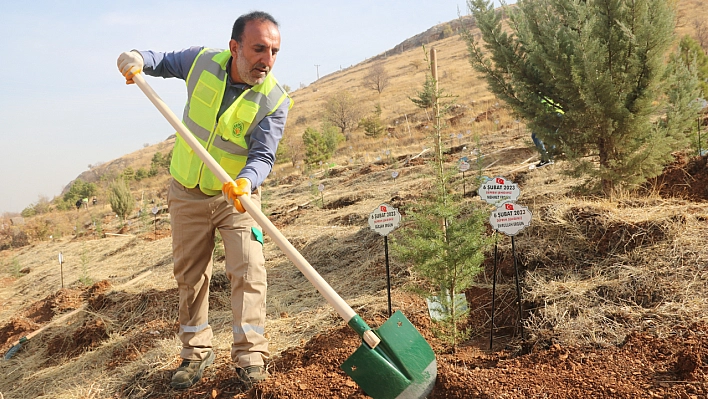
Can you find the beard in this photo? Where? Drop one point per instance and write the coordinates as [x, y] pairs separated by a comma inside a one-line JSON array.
[[246, 72]]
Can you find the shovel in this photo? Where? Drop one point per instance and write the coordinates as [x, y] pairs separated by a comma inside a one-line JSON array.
[[393, 361], [17, 345]]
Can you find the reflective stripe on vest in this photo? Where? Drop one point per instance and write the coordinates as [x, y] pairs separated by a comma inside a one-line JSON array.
[[226, 139]]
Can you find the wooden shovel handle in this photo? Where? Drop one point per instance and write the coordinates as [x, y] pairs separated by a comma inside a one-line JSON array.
[[66, 316], [344, 310], [61, 319]]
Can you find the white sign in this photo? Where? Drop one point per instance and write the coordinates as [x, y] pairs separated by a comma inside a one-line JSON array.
[[155, 210], [510, 218], [384, 219], [320, 187], [464, 166], [61, 259], [394, 174], [498, 190]]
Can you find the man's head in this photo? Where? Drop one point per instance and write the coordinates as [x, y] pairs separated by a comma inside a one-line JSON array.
[[254, 44]]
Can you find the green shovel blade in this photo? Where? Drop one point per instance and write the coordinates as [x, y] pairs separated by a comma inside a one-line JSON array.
[[402, 366]]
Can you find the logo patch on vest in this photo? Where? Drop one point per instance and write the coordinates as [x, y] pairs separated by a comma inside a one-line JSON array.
[[238, 128]]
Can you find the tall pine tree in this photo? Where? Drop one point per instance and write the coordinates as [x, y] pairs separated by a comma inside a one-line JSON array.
[[605, 65]]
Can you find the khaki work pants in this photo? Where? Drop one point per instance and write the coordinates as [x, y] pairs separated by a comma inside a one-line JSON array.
[[194, 218]]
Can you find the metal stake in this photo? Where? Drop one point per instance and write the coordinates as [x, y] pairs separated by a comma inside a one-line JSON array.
[[700, 153], [464, 188], [388, 276], [61, 269], [494, 288], [518, 290]]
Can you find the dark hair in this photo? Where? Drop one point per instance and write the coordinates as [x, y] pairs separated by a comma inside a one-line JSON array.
[[240, 24]]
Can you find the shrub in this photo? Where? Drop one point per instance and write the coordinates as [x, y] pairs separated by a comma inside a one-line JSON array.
[[120, 198], [320, 145], [160, 162], [20, 239], [40, 228], [128, 173], [28, 212], [373, 127], [141, 173]]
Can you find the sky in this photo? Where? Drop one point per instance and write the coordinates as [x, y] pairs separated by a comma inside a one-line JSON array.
[[64, 105]]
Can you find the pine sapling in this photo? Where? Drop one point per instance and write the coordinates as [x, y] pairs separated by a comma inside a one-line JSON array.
[[446, 237]]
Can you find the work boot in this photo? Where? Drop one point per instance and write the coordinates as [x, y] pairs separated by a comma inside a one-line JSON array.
[[190, 371], [252, 375]]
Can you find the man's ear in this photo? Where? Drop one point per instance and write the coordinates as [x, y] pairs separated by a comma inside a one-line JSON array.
[[233, 46]]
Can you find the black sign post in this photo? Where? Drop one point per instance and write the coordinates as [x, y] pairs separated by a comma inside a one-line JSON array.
[[61, 269], [155, 211], [384, 220]]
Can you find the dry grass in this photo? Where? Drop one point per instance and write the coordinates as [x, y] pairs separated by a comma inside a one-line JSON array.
[[616, 267]]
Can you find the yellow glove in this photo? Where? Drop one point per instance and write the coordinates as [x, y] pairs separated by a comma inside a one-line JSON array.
[[233, 190], [130, 63]]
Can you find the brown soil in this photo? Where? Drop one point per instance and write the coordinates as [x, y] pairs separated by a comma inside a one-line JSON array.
[[686, 177], [643, 366], [38, 314]]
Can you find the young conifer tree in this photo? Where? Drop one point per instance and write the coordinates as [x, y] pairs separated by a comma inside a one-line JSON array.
[[691, 52], [445, 238], [121, 199], [605, 67]]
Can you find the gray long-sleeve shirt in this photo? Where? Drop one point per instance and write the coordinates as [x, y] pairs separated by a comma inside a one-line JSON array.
[[264, 138]]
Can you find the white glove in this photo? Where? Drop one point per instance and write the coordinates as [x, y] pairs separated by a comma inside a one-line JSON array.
[[129, 64]]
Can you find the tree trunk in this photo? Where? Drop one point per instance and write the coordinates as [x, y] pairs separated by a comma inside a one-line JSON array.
[[604, 150]]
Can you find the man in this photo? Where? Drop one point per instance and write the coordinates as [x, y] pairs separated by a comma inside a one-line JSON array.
[[546, 157], [237, 111]]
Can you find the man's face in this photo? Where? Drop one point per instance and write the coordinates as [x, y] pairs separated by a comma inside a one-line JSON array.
[[254, 57]]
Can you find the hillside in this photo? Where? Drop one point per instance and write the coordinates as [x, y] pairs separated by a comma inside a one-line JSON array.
[[614, 291]]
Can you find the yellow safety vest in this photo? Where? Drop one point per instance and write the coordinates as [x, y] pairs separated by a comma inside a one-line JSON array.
[[227, 138], [552, 105]]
